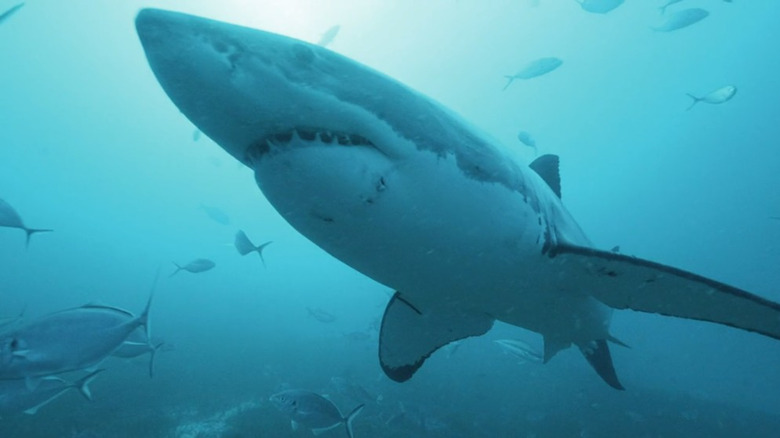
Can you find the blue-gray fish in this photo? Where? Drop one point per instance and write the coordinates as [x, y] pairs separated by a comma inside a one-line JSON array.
[[216, 214], [721, 95], [137, 344], [536, 68], [16, 397], [69, 340], [313, 411], [682, 19], [196, 266], [4, 16], [329, 35], [245, 246], [10, 218], [599, 6], [520, 350]]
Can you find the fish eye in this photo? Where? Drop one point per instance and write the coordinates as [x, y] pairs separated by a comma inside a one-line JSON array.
[[14, 344]]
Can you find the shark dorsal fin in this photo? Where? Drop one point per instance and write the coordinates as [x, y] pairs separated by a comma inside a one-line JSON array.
[[547, 167]]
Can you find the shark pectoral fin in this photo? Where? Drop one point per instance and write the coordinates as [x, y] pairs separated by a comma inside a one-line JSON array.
[[598, 356], [624, 282], [408, 336]]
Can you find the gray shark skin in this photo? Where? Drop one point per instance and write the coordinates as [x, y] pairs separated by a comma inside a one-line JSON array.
[[402, 190]]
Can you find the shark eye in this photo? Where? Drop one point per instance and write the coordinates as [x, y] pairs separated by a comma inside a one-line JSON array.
[[14, 344]]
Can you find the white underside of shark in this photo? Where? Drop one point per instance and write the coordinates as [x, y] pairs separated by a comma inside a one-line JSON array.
[[400, 189]]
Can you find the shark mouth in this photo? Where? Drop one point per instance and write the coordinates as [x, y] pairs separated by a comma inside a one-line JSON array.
[[313, 136]]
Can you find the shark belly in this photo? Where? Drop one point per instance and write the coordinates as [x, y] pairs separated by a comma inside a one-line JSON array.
[[421, 227]]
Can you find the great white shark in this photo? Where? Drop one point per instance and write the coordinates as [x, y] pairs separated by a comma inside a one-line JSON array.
[[406, 192]]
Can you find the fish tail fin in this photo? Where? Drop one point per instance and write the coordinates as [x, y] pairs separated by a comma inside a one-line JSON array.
[[259, 250], [31, 231], [510, 79], [178, 268], [598, 356], [143, 318], [351, 417], [83, 384], [695, 100], [155, 349]]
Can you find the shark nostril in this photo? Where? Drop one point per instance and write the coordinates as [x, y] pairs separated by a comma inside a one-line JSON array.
[[219, 46]]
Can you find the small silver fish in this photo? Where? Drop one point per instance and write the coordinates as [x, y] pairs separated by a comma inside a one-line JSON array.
[[520, 349], [4, 16], [599, 6], [329, 35], [195, 266], [10, 218], [245, 246], [313, 411], [721, 95], [669, 3], [216, 214], [526, 139], [321, 315], [682, 19], [536, 68], [16, 397]]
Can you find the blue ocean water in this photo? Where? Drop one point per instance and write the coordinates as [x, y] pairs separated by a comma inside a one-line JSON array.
[[93, 148]]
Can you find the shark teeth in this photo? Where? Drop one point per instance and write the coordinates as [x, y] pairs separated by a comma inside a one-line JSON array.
[[284, 138], [321, 135]]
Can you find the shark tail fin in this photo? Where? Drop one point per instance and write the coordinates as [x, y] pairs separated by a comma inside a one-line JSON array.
[[83, 384], [552, 347], [624, 282], [617, 341], [348, 421], [510, 79], [31, 231], [598, 356], [695, 101]]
